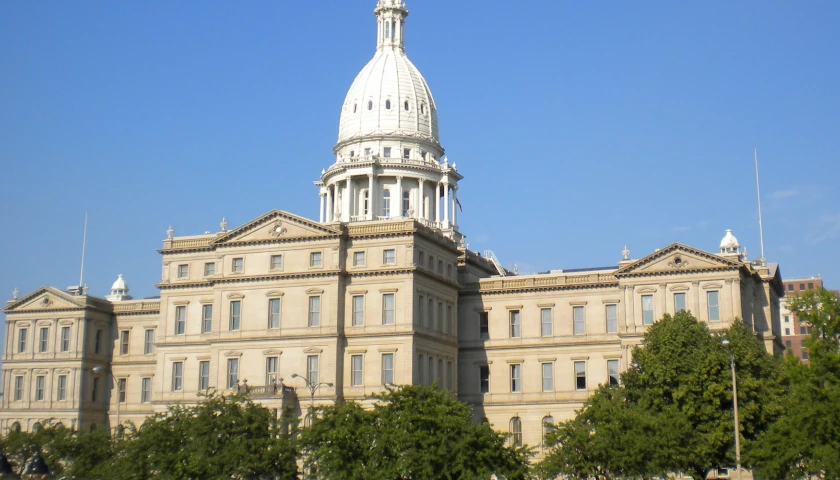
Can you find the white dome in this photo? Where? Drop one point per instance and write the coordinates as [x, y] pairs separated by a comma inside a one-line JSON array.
[[729, 243], [119, 284]]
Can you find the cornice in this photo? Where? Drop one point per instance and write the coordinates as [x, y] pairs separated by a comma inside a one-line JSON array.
[[247, 279], [471, 291]]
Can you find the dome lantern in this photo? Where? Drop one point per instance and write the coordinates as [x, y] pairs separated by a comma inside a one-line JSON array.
[[119, 290], [729, 244]]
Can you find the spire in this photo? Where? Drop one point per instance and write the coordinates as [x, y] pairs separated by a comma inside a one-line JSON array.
[[390, 23]]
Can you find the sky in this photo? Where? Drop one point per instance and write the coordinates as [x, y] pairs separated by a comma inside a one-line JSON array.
[[580, 127]]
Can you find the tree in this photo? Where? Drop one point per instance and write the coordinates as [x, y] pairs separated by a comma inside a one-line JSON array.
[[68, 453], [412, 432], [805, 442]]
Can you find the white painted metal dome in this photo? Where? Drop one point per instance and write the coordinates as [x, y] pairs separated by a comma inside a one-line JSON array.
[[729, 244], [119, 285]]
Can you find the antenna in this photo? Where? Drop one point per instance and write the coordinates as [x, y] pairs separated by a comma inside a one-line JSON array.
[[758, 192]]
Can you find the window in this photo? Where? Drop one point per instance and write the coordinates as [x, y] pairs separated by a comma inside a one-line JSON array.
[[314, 311], [440, 267], [578, 320], [356, 370], [580, 375], [370, 105], [431, 370], [431, 264], [406, 202], [802, 286], [516, 378], [405, 106], [312, 369], [22, 340], [810, 286], [177, 376], [788, 345], [449, 270], [365, 200], [367, 152], [355, 107], [97, 342], [386, 152], [18, 388], [679, 302], [148, 341], [180, 319], [206, 318], [276, 262], [545, 322], [235, 314], [440, 318], [65, 339], [237, 265], [787, 331], [790, 287], [516, 432], [315, 259], [805, 355], [94, 389], [484, 325], [612, 318], [547, 426], [183, 271], [44, 340], [423, 108], [209, 269], [232, 372], [484, 378], [803, 344], [421, 372], [358, 259], [387, 104], [39, 387], [810, 330], [124, 342], [450, 325], [61, 393], [547, 377], [431, 314], [406, 153], [612, 371], [388, 309], [358, 310], [514, 324], [647, 309], [386, 203], [714, 309], [449, 380], [421, 318], [802, 330], [389, 257], [145, 390], [121, 384], [272, 366], [787, 318], [274, 313], [203, 375]]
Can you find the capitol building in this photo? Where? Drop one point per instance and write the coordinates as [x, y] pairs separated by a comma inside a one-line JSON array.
[[380, 289]]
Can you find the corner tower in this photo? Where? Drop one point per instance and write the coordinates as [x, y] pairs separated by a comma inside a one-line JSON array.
[[389, 162]]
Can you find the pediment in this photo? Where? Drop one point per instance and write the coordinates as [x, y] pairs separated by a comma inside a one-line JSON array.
[[45, 298], [674, 259], [276, 225]]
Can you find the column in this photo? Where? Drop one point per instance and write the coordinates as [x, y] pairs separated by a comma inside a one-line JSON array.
[[454, 205], [321, 212], [736, 298], [419, 207], [446, 205], [663, 302], [345, 209], [399, 209], [329, 207], [628, 309], [437, 201], [695, 289], [371, 197]]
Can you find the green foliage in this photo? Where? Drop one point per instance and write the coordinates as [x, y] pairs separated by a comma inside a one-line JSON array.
[[805, 442], [69, 453], [412, 432]]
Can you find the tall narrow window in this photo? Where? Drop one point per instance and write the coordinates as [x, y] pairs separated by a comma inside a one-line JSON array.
[[124, 342], [148, 342], [421, 370], [421, 317], [386, 203], [232, 372], [647, 309], [388, 309], [61, 393], [274, 313], [580, 375], [440, 318], [121, 387], [358, 310], [180, 320], [484, 325], [177, 376], [356, 371], [65, 339], [514, 324], [44, 340], [449, 379], [19, 388], [235, 315], [272, 367], [548, 427], [203, 375], [578, 320], [484, 378], [516, 378], [612, 371], [516, 432], [431, 370], [679, 302], [406, 106], [97, 342], [714, 308], [612, 319], [387, 104], [39, 387], [440, 372], [312, 369], [145, 390], [206, 318], [314, 311], [545, 322], [450, 323], [22, 340], [370, 105], [547, 377], [406, 202], [430, 321]]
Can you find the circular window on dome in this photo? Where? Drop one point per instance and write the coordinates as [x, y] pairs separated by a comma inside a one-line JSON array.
[[370, 105], [387, 104]]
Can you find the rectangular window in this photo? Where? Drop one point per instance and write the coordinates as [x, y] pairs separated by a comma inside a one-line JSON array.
[[440, 372], [388, 309], [356, 371], [94, 390], [787, 318], [274, 313], [484, 325], [421, 370], [124, 339], [406, 153], [612, 318], [22, 340], [44, 340], [209, 269], [790, 287], [389, 257], [121, 384], [315, 259], [450, 325], [97, 342], [805, 355], [39, 387], [421, 316], [440, 267], [272, 366], [232, 372], [580, 375], [787, 331], [449, 380], [578, 321], [237, 265], [430, 321], [514, 324], [714, 308], [314, 311], [203, 376], [183, 271], [802, 330], [612, 371], [545, 322], [647, 309], [312, 369], [180, 319], [235, 315], [679, 302], [431, 263], [547, 377], [516, 378], [802, 286], [61, 393], [802, 344], [484, 378], [440, 318], [206, 318], [431, 370], [148, 342], [358, 259], [810, 286], [277, 262], [177, 376], [387, 150], [788, 345], [358, 310], [18, 388], [65, 339], [145, 390]]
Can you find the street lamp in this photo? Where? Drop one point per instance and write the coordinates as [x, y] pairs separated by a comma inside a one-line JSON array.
[[312, 388], [725, 343], [99, 370]]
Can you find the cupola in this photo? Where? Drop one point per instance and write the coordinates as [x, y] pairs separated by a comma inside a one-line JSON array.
[[119, 290]]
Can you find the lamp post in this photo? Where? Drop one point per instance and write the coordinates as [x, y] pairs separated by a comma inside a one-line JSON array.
[[99, 370], [312, 388], [725, 343]]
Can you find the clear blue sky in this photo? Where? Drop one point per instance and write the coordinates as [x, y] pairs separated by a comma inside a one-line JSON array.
[[580, 126]]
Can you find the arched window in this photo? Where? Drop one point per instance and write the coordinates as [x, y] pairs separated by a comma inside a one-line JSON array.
[[59, 425], [365, 202], [406, 105], [547, 426], [387, 29], [307, 420], [92, 427], [516, 432], [120, 431], [387, 104], [36, 427], [16, 427], [386, 203], [406, 203], [370, 105]]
